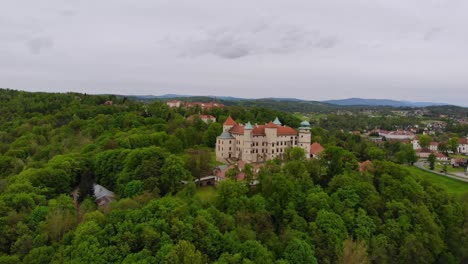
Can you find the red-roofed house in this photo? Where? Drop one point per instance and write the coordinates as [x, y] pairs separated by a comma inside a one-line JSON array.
[[315, 150], [258, 143], [205, 118], [441, 157], [204, 106]]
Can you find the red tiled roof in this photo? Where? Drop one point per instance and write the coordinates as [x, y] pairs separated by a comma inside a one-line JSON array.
[[270, 125], [424, 150], [434, 143], [230, 122], [206, 117], [440, 155], [260, 130], [316, 148], [462, 141], [236, 129], [285, 131]]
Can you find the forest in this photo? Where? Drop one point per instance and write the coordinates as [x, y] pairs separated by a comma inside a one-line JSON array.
[[321, 210]]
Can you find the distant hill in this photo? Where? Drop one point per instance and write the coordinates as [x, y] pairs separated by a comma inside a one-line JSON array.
[[380, 102], [341, 102], [293, 104]]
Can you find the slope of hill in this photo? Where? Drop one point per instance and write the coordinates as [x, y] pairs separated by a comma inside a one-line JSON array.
[[380, 102]]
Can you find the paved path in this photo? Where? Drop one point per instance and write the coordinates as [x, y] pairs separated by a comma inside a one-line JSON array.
[[456, 177]]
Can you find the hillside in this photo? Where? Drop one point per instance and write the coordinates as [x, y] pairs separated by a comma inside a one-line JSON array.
[[146, 208], [379, 102]]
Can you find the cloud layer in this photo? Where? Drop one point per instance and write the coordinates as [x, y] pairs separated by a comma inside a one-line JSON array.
[[324, 49], [250, 39]]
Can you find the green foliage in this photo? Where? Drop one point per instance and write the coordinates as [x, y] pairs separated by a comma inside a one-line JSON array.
[[299, 251], [425, 141], [133, 188], [302, 211], [432, 159]]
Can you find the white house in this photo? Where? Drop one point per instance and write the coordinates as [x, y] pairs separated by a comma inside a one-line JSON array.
[[463, 145]]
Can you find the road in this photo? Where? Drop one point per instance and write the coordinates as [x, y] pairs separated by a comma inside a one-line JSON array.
[[456, 177]]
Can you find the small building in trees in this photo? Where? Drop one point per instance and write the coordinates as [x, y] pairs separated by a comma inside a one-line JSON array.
[[315, 150], [205, 118], [102, 195], [441, 157]]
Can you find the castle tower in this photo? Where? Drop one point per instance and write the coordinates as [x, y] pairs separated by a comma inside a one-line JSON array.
[[304, 139], [228, 124], [248, 142], [271, 134], [225, 146]]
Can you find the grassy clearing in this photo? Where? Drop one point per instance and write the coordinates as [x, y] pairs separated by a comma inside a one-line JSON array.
[[206, 194], [452, 186]]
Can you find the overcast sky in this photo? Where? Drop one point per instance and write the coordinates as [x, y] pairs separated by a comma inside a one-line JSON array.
[[312, 49]]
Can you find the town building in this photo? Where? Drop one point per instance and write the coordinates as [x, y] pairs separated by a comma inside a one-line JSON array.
[[441, 157], [203, 106], [434, 146], [205, 118], [259, 143], [174, 103], [463, 145], [399, 135], [315, 150]]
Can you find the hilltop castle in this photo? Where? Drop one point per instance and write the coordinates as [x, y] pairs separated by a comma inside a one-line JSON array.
[[258, 143]]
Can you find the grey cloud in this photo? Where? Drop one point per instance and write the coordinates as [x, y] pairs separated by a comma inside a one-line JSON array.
[[38, 45], [68, 13], [253, 39], [431, 33], [327, 43], [321, 49]]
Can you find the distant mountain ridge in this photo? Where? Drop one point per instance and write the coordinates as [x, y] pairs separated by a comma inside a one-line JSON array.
[[380, 102], [342, 102]]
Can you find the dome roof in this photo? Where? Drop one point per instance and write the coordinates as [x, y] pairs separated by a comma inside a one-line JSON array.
[[277, 122], [226, 135], [305, 123]]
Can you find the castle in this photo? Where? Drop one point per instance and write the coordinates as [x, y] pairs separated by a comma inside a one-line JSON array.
[[258, 143]]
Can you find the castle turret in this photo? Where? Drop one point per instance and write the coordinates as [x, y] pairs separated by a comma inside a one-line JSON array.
[[277, 122], [247, 154], [225, 146], [304, 139], [229, 123]]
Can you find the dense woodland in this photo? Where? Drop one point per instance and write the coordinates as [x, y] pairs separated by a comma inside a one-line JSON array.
[[302, 211]]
